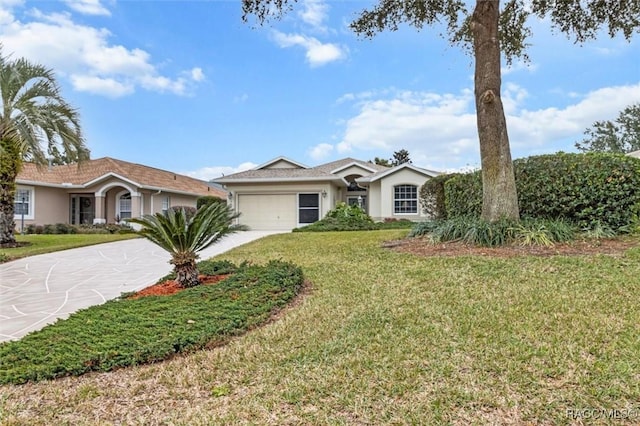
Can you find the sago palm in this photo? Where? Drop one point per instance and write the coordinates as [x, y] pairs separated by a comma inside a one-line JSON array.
[[34, 121], [184, 236]]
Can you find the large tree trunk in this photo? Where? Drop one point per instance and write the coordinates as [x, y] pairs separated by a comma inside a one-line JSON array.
[[10, 163], [499, 196]]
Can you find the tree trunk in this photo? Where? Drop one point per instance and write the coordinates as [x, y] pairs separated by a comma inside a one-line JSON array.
[[187, 274], [499, 196], [10, 163]]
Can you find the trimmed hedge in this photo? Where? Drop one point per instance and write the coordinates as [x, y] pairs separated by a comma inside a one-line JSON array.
[[590, 190], [432, 196]]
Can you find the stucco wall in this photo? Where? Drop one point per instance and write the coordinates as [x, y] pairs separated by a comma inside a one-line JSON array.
[[381, 195], [51, 205]]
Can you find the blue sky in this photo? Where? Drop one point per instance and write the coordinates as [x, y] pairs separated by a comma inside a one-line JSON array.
[[187, 86]]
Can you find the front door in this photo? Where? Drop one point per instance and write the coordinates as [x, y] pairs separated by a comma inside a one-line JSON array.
[[82, 210]]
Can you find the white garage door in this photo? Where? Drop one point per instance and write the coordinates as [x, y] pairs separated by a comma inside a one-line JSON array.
[[266, 212]]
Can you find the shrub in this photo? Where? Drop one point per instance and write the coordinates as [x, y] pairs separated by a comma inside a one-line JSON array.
[[475, 231], [432, 196], [585, 189], [208, 200], [463, 195], [588, 189], [343, 217]]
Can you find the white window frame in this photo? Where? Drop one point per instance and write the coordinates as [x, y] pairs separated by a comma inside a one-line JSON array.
[[166, 204], [30, 215], [396, 200], [118, 205]]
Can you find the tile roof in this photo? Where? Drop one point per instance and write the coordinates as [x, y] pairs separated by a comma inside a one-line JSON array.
[[321, 172], [92, 170]]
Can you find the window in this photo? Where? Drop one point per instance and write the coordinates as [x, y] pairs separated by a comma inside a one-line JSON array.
[[360, 201], [124, 206], [405, 199], [165, 205], [23, 203], [308, 208]]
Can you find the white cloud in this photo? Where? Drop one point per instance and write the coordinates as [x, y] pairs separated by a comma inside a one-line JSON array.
[[197, 74], [321, 151], [314, 13], [84, 55], [88, 7], [317, 53], [439, 131], [102, 86], [213, 172]]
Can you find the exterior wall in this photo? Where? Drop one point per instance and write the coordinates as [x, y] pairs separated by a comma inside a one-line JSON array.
[[50, 206], [383, 189], [327, 202], [374, 201]]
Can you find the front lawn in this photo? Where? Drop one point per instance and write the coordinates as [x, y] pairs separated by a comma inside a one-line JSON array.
[[41, 243], [391, 338]]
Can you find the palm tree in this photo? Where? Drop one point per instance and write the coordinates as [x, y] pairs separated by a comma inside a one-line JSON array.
[[183, 235], [33, 118]]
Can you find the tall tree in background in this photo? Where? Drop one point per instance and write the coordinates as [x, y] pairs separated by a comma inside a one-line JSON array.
[[488, 31], [400, 157], [621, 135], [33, 118], [382, 162]]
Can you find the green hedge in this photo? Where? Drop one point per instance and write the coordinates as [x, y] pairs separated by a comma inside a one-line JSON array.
[[590, 190], [463, 195], [432, 196]]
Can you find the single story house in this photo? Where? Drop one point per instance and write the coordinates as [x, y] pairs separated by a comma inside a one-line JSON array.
[[99, 191], [283, 194]]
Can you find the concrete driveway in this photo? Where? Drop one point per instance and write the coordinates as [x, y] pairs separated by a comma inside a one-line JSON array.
[[38, 290]]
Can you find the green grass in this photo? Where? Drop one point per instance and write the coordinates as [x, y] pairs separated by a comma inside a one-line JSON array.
[[40, 244], [391, 338]]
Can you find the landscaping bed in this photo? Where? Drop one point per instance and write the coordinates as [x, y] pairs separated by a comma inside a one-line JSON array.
[[137, 330]]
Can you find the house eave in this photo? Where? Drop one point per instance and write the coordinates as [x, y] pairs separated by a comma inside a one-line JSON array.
[[48, 184], [278, 180]]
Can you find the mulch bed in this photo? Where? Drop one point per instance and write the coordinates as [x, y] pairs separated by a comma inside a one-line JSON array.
[[166, 288], [423, 247]]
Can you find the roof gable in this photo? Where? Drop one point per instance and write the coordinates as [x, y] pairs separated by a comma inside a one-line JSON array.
[[281, 163], [382, 174]]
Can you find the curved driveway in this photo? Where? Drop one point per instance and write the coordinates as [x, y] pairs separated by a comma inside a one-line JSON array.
[[38, 290]]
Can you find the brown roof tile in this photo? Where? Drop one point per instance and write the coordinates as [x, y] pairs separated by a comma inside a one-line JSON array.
[[91, 170]]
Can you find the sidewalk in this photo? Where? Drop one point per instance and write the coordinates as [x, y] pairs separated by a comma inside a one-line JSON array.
[[38, 290]]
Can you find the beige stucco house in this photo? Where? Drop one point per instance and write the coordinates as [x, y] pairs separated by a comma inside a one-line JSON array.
[[285, 194], [104, 190]]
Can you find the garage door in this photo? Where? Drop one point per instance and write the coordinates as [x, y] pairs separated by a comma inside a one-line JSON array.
[[267, 212]]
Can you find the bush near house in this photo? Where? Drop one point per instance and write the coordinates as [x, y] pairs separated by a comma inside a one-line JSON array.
[[432, 196], [594, 190], [207, 200], [65, 228]]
